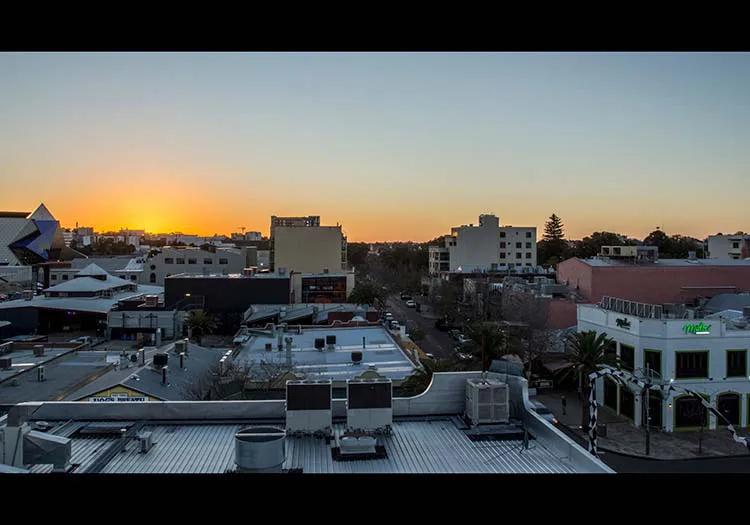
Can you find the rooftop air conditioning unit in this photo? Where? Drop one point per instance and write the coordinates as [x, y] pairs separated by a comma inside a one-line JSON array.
[[161, 360], [487, 401], [308, 407], [180, 346], [330, 339], [6, 363], [28, 295], [38, 350], [369, 405], [152, 301], [357, 357], [320, 343], [147, 442]]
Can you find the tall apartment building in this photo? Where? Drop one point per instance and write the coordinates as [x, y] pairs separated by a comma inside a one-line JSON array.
[[320, 249], [484, 247], [728, 246]]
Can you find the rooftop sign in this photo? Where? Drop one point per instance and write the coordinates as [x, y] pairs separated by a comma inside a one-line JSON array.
[[697, 329]]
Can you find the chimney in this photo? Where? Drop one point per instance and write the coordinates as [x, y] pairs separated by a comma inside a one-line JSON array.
[[164, 376], [182, 360], [142, 356], [123, 442], [278, 344]]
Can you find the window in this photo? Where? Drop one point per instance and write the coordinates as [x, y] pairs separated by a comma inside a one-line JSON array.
[[518, 245], [168, 260], [627, 403], [192, 261], [180, 260], [652, 360], [735, 245], [502, 244], [736, 363], [689, 412], [518, 255], [528, 255], [528, 264], [502, 255], [528, 235], [528, 245], [208, 260], [729, 407], [133, 278], [223, 261], [627, 357], [502, 234], [691, 365], [54, 277], [65, 277], [152, 278]]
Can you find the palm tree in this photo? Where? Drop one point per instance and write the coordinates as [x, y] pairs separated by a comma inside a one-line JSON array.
[[587, 351], [200, 323], [487, 342], [368, 293], [421, 378]]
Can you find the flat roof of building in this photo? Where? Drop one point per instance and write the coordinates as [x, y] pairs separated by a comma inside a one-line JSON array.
[[99, 305], [257, 275], [742, 263], [24, 359], [436, 446], [380, 350], [292, 312]]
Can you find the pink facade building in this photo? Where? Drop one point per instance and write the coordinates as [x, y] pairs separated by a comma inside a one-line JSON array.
[[662, 281]]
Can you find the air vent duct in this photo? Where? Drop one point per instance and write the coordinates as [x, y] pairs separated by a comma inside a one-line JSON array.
[[260, 449]]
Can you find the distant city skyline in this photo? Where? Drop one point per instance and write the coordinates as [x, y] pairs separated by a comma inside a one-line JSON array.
[[393, 146]]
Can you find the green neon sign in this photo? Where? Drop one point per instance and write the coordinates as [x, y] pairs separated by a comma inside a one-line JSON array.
[[698, 329]]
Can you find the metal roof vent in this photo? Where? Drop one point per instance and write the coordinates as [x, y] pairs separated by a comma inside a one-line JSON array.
[[260, 449]]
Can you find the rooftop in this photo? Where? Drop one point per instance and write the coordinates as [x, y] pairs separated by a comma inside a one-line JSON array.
[[293, 312], [380, 350], [258, 275], [23, 358], [99, 305], [598, 262]]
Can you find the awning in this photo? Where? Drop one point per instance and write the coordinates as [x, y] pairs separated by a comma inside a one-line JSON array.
[[557, 365]]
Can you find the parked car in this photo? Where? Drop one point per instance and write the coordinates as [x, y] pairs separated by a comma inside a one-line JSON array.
[[395, 325], [462, 356], [430, 356], [545, 412], [388, 316], [411, 303], [462, 339], [406, 296], [84, 339], [455, 334]]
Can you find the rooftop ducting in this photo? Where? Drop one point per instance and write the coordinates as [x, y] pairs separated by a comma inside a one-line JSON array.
[[260, 450], [40, 448], [308, 406]]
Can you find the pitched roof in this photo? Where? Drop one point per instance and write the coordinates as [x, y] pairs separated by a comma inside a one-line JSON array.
[[42, 214], [88, 284], [92, 270]]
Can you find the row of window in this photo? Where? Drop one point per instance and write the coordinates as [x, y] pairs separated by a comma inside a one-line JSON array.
[[688, 364], [519, 245], [180, 260], [518, 255], [528, 234]]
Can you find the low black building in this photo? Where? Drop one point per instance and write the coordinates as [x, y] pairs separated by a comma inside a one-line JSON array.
[[226, 296]]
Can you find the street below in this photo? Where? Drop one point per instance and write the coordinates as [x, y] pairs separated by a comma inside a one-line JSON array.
[[435, 342]]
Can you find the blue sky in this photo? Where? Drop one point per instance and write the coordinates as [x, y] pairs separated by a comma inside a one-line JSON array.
[[391, 145]]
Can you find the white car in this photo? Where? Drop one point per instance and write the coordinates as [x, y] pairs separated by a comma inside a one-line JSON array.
[[411, 303], [84, 339], [395, 325]]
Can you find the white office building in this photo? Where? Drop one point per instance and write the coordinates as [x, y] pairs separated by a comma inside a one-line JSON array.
[[688, 347], [728, 246], [484, 247], [175, 260]]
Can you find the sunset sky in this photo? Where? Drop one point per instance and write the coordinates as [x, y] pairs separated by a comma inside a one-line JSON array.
[[394, 146]]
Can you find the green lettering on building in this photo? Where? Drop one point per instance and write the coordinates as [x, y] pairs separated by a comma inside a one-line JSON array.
[[699, 328]]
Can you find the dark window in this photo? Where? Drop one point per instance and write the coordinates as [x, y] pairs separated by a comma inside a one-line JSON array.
[[691, 365], [528, 245], [223, 261], [65, 277], [133, 277], [736, 363], [689, 412], [192, 261], [610, 393], [528, 255], [528, 264], [180, 261], [152, 278], [168, 260], [652, 360], [208, 261], [54, 277], [519, 244], [502, 255], [502, 234], [627, 403], [735, 245], [610, 353], [502, 244], [627, 357], [729, 407], [528, 235], [518, 255]]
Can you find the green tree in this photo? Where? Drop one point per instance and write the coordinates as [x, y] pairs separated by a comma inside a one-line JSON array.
[[200, 324], [356, 253], [487, 342], [587, 351], [368, 292], [591, 246], [553, 247], [421, 378], [416, 334]]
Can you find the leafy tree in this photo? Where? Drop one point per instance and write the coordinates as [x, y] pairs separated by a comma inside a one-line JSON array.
[[356, 253], [591, 246], [368, 292], [487, 341], [421, 378], [676, 246], [587, 351], [200, 324], [416, 334]]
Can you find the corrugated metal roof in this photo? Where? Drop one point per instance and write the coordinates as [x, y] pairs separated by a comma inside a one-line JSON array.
[[84, 452], [414, 447]]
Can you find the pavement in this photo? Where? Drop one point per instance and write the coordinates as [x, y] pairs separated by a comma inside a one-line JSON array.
[[435, 342], [625, 441]]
